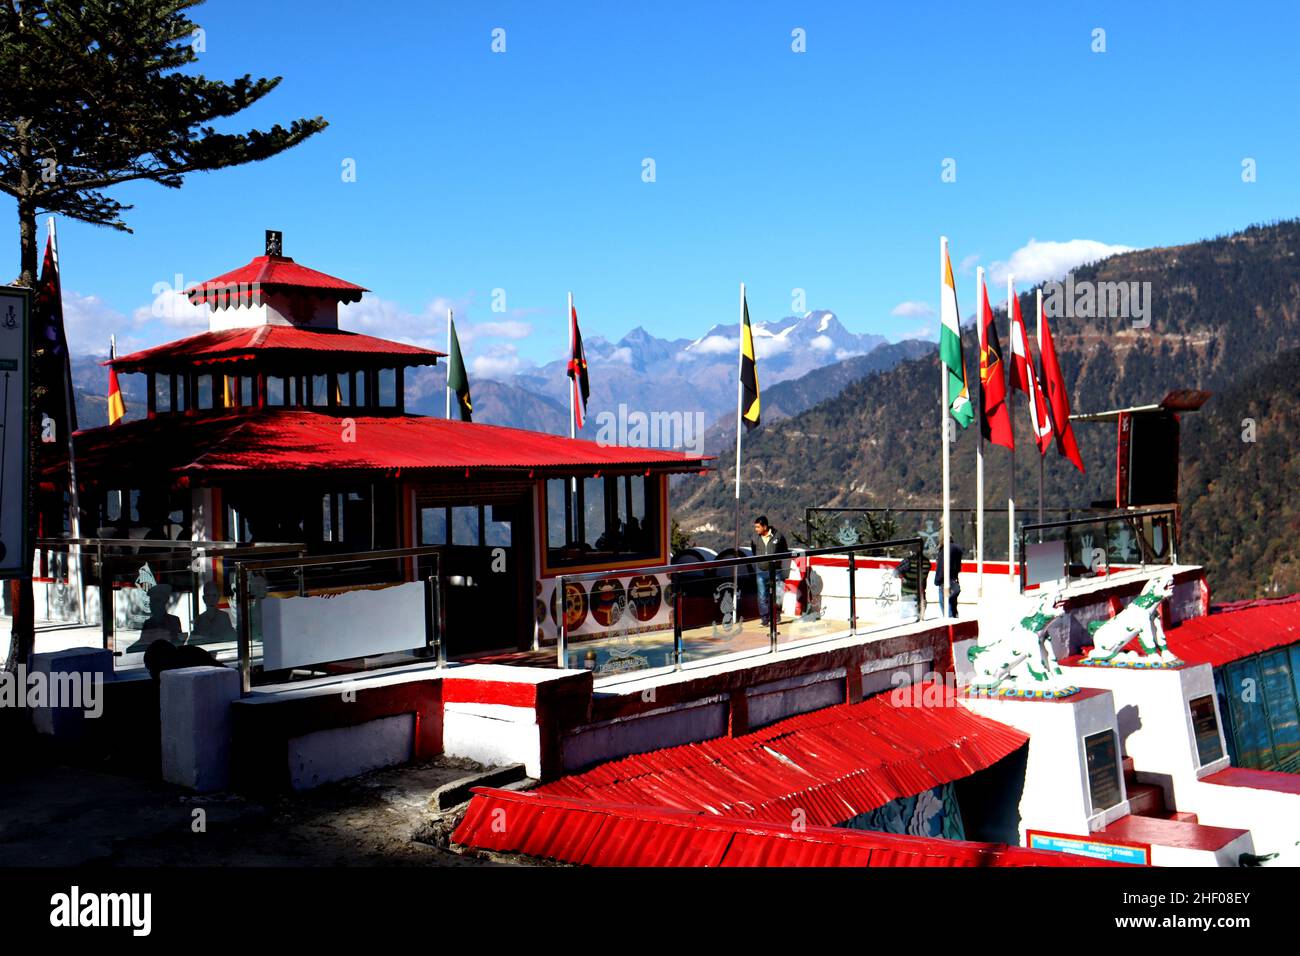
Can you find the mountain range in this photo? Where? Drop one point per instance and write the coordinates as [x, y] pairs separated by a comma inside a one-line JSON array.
[[1225, 317]]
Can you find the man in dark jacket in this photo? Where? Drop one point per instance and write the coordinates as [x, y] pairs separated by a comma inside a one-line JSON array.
[[767, 540], [947, 571]]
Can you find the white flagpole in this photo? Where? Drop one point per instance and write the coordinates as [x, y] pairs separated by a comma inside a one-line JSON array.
[[1011, 418], [943, 435], [449, 363], [1038, 340], [980, 319], [740, 392], [74, 502]]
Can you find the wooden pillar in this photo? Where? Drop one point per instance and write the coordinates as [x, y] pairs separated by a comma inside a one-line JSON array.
[[399, 379], [151, 400]]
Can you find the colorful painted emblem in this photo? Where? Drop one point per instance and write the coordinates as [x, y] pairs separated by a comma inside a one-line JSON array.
[[645, 596], [575, 605], [607, 601]]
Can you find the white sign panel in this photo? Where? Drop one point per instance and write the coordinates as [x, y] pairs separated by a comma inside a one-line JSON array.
[[297, 631], [15, 548]]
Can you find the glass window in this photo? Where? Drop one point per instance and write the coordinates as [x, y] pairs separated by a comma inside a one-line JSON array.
[[162, 391], [616, 517], [465, 525], [246, 390], [433, 525], [343, 390], [1284, 722], [320, 390], [360, 399], [204, 398], [388, 388], [275, 390], [1249, 718], [497, 526]]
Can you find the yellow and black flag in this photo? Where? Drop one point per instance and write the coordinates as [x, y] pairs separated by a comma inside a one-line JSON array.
[[749, 399]]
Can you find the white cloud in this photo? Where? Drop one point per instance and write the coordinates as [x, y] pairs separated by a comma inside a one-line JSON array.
[[713, 345], [172, 307], [500, 362], [968, 264], [623, 355], [912, 309], [822, 343], [1039, 261], [930, 331], [509, 329], [88, 322]]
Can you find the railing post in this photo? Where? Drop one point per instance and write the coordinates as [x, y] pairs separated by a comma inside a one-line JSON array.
[[107, 613], [773, 608], [562, 641], [440, 611], [245, 631], [853, 593], [677, 618]]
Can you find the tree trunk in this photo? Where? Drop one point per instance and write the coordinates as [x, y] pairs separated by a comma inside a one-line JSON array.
[[22, 640]]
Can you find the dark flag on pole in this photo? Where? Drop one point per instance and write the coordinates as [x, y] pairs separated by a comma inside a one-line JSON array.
[[457, 379], [578, 370], [51, 364], [749, 403]]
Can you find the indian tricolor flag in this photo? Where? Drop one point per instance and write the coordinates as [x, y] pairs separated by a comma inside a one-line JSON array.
[[959, 403]]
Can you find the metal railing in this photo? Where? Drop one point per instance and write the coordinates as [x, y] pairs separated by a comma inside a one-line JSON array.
[[1136, 538], [863, 525], [109, 564], [254, 579], [681, 576]]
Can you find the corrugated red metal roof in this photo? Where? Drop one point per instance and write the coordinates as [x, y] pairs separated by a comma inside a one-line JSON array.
[[231, 345], [270, 272], [599, 834], [258, 442], [832, 764], [1227, 636]]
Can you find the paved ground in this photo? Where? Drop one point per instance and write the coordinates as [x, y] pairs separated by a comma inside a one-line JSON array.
[[60, 815]]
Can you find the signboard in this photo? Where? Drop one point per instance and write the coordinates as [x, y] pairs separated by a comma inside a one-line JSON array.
[[15, 434], [1103, 770], [1135, 853], [1205, 725]]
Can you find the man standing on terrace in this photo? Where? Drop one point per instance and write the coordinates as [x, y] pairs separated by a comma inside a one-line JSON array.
[[767, 540]]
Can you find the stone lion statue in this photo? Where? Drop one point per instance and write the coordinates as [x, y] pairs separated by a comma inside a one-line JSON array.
[[1140, 619]]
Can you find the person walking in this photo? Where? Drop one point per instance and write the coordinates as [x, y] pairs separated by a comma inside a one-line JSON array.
[[767, 540], [947, 569]]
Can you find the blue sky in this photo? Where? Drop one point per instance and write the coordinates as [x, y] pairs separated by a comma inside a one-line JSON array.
[[820, 170]]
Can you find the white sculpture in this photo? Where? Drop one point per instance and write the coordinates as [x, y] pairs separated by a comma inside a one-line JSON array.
[[1140, 619], [1020, 662]]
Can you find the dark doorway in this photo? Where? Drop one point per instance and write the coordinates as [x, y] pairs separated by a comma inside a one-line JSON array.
[[487, 571]]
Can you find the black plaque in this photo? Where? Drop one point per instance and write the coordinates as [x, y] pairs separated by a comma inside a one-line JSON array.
[[1103, 770], [1205, 725]]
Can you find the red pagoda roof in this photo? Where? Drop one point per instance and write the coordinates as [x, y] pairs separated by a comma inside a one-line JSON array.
[[270, 272], [216, 445], [232, 345]]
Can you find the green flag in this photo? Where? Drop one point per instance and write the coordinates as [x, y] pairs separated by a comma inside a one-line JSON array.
[[457, 380], [959, 403]]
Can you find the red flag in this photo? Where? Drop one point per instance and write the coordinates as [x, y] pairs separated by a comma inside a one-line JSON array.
[[1054, 381], [1024, 379], [995, 416], [578, 370]]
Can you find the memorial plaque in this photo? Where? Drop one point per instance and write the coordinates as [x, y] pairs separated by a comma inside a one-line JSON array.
[[1103, 770], [1205, 726], [15, 434]]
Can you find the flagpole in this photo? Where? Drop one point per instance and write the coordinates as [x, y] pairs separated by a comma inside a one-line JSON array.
[[1038, 339], [449, 363], [1011, 421], [980, 319], [944, 592], [740, 390], [74, 501]]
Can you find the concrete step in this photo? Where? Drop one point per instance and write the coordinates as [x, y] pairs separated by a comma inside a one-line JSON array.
[[1146, 800]]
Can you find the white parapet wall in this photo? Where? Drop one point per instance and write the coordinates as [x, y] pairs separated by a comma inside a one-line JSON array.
[[1057, 795], [194, 705]]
